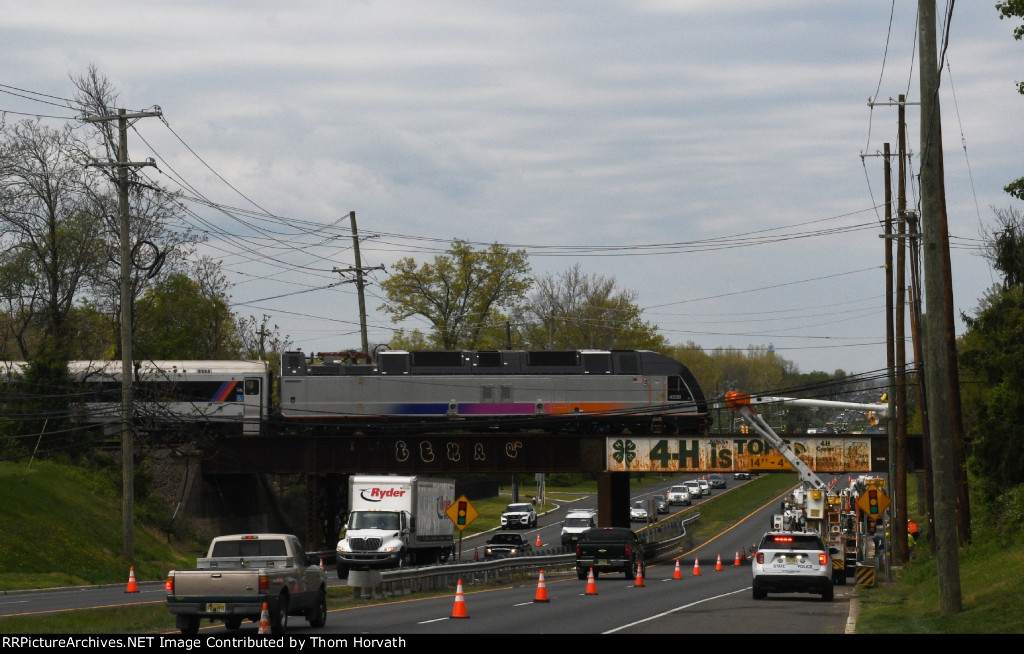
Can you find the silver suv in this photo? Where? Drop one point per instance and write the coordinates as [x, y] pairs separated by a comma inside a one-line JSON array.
[[792, 562], [678, 495]]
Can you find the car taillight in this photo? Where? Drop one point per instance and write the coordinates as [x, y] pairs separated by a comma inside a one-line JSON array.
[[169, 584], [578, 549], [629, 550], [264, 583], [822, 558], [760, 558]]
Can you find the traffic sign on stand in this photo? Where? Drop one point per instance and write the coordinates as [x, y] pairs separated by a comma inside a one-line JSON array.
[[873, 502], [461, 513]]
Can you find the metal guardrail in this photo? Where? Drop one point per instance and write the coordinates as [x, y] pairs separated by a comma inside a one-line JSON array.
[[661, 538]]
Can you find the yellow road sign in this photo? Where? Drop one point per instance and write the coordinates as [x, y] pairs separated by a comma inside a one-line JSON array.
[[873, 502], [461, 513]]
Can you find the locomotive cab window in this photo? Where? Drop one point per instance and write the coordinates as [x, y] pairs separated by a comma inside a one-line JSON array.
[[252, 387]]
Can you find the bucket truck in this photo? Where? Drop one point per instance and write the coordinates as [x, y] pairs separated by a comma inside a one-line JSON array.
[[814, 506]]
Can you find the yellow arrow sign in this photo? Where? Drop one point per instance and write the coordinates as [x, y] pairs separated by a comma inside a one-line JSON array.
[[461, 512]]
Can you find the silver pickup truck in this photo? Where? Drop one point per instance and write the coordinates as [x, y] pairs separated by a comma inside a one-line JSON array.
[[239, 574]]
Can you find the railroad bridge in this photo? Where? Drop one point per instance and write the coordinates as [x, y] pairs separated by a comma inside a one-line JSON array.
[[233, 472]]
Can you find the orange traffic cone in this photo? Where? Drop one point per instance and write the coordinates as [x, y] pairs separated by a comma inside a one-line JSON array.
[[696, 567], [678, 574], [718, 564], [476, 553], [743, 556], [542, 589], [264, 620], [459, 610], [321, 564], [736, 561], [538, 540], [591, 584], [132, 586], [639, 581]]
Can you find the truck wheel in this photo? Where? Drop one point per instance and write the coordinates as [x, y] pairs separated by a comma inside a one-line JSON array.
[[828, 594], [342, 571], [317, 616], [630, 572], [279, 616], [233, 623], [580, 574], [759, 594], [187, 624]]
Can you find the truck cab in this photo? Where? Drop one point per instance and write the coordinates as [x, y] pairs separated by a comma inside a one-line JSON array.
[[395, 521]]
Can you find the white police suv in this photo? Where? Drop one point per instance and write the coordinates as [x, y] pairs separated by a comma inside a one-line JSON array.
[[792, 562]]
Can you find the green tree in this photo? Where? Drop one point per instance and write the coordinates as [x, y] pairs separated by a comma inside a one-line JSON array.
[[573, 310], [95, 333], [180, 319], [459, 293], [991, 358], [414, 340], [50, 246]]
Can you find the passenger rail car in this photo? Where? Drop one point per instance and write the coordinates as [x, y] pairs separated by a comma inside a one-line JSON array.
[[231, 397], [581, 391]]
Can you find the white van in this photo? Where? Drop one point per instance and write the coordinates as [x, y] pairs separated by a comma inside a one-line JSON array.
[[576, 523]]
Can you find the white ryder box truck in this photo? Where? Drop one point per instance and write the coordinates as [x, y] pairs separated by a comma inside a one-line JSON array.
[[395, 521]]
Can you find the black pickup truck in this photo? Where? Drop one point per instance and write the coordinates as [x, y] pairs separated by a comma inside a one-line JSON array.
[[610, 549]]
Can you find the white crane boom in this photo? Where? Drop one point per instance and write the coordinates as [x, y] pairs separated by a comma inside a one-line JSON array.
[[880, 409]]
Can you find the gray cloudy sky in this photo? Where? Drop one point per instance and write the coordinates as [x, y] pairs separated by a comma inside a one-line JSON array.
[[719, 158]]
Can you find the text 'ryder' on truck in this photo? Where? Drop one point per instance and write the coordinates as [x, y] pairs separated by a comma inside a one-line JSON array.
[[394, 521]]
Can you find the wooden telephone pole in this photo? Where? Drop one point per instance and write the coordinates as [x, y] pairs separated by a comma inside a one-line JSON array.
[[360, 284], [127, 402], [942, 381]]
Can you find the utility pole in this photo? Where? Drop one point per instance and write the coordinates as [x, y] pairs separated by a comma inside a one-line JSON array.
[[937, 334], [899, 375], [890, 365], [127, 410], [358, 270]]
